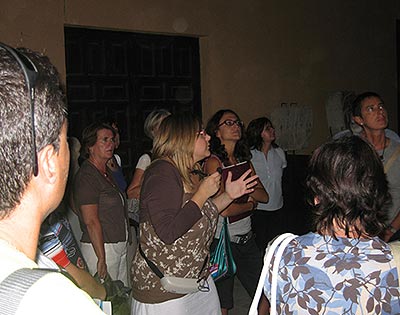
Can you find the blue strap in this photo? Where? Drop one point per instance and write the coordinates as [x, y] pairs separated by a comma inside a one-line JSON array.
[[14, 287]]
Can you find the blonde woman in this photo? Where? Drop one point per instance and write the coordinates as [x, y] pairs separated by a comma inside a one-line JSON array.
[[178, 221]]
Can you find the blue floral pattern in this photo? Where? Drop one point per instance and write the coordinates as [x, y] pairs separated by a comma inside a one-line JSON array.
[[321, 275]]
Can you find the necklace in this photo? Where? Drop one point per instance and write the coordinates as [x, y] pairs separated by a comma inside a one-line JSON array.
[[383, 151], [104, 173]]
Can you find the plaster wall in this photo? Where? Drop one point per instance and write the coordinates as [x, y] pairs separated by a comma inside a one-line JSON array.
[[255, 54]]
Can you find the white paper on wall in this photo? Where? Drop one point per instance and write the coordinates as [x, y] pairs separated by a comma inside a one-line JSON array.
[[335, 110], [293, 123]]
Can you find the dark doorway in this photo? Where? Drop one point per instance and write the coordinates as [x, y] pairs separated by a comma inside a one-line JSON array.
[[398, 72], [125, 76]]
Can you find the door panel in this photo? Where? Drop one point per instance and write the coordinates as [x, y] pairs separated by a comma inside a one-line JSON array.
[[125, 76]]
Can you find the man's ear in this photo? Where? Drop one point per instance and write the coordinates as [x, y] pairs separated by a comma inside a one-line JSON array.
[[47, 160], [358, 120]]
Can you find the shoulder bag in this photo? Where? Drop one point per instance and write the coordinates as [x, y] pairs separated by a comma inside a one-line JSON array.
[[222, 262]]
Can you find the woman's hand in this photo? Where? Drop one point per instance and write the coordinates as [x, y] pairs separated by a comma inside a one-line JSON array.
[[210, 185], [101, 269], [240, 186]]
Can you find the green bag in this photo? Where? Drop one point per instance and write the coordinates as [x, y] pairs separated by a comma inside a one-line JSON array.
[[222, 263], [118, 294]]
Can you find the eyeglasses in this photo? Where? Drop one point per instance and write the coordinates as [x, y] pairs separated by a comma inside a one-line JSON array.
[[31, 73], [230, 123]]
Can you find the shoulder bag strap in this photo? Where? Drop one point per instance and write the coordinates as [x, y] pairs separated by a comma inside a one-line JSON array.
[[14, 287], [284, 239], [389, 163], [151, 265], [275, 269]]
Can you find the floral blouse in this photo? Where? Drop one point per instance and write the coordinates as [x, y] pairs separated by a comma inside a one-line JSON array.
[[321, 275]]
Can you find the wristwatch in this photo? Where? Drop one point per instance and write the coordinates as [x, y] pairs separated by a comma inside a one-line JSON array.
[[391, 229]]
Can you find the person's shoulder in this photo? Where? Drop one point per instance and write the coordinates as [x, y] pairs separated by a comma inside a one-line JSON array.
[[161, 167], [144, 161], [255, 153], [392, 135], [54, 293], [212, 163], [87, 170], [279, 151], [86, 166], [118, 159], [341, 134], [145, 157]]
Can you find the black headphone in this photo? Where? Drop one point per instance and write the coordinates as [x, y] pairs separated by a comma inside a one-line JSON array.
[[31, 74]]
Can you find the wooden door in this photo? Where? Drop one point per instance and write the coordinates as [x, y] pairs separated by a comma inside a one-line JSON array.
[[125, 76]]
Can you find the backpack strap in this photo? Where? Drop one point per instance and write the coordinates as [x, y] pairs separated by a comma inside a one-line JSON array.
[[14, 287]]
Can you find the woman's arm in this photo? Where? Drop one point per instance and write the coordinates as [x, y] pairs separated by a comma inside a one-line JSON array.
[[263, 306], [162, 203], [86, 282], [133, 190], [259, 194], [90, 218]]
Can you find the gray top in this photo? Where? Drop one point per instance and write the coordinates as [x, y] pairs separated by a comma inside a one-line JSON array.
[[393, 177]]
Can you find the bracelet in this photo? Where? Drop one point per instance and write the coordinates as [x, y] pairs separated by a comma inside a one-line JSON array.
[[391, 229]]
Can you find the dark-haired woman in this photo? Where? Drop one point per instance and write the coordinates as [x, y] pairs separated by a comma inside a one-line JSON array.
[[101, 206], [268, 160], [228, 147], [369, 112], [343, 267]]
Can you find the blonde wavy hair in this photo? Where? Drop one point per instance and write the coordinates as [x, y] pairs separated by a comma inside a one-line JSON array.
[[175, 140]]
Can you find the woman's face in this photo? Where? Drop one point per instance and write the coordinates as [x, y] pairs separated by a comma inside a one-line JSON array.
[[373, 114], [230, 128], [117, 138], [103, 149], [268, 134], [201, 146]]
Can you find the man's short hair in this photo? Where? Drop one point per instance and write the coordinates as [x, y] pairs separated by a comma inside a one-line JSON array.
[[356, 105], [16, 145]]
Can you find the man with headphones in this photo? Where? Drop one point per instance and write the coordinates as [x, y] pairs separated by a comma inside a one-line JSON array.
[[34, 161]]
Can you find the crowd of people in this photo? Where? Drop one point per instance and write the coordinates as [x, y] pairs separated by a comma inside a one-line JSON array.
[[184, 191]]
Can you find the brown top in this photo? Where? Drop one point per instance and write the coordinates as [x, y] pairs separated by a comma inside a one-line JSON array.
[[174, 237], [91, 187]]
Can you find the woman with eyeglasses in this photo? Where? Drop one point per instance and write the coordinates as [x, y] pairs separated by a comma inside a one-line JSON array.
[[369, 113], [268, 160], [178, 221], [101, 206], [228, 147]]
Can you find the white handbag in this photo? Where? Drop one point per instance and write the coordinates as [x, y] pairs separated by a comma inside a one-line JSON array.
[[279, 242]]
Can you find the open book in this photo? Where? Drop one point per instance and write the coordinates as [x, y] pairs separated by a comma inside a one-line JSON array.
[[237, 170]]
